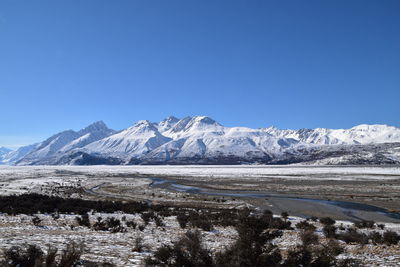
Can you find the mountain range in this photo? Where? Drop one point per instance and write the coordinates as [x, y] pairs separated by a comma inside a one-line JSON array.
[[202, 140]]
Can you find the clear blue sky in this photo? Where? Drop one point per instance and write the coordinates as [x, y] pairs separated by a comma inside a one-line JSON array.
[[291, 64]]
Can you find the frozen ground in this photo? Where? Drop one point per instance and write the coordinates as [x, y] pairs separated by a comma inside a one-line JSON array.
[[100, 245], [249, 171], [117, 248], [373, 185]]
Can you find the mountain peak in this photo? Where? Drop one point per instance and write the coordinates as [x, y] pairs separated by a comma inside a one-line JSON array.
[[204, 120], [142, 126], [143, 123], [167, 123], [194, 123], [98, 126], [170, 119], [201, 122]]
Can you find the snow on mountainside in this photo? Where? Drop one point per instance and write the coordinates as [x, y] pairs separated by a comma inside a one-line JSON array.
[[90, 134], [136, 140], [166, 124], [202, 140], [361, 134], [65, 141], [4, 150], [14, 156], [3, 153]]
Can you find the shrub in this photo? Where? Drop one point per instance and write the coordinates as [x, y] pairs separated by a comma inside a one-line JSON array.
[[353, 236], [304, 225], [33, 203], [308, 237], [146, 216], [138, 245], [205, 225], [100, 225], [188, 251], [183, 220], [83, 220], [71, 255], [132, 224], [158, 221], [300, 256], [269, 222], [390, 238], [33, 256], [50, 259], [201, 220], [329, 231], [55, 216], [364, 224], [285, 215], [327, 221], [278, 223], [36, 221], [254, 245], [22, 256], [334, 247], [163, 255], [375, 237], [314, 256], [110, 224]]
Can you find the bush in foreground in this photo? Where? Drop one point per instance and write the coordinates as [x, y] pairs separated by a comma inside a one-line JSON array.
[[33, 256], [188, 251], [390, 238]]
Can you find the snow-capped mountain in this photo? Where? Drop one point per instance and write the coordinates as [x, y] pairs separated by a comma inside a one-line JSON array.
[[361, 134], [88, 135], [4, 150], [14, 156], [49, 150], [135, 141], [202, 140], [166, 124]]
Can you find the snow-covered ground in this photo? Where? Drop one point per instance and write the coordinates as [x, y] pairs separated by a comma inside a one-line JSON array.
[[117, 248], [242, 171], [20, 179], [101, 245]]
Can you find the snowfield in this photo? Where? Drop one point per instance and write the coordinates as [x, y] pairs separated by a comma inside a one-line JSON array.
[[117, 248], [242, 171]]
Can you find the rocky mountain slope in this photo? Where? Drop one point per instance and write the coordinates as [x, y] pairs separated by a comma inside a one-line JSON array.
[[48, 151], [202, 140]]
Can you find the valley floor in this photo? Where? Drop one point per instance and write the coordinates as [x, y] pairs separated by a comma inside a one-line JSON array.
[[299, 190], [296, 189]]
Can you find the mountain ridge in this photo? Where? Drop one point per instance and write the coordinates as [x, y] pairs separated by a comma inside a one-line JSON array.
[[202, 140]]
